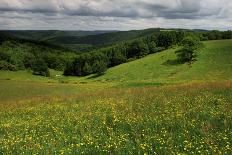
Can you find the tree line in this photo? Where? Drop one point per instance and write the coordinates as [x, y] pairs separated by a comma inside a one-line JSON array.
[[17, 55], [98, 61], [39, 57], [215, 35]]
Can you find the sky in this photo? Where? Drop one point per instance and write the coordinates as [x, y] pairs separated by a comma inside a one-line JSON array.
[[114, 14]]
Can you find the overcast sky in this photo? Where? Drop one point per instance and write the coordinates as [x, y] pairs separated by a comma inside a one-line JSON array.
[[115, 14]]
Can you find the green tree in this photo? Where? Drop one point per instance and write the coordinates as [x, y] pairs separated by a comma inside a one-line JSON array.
[[7, 66], [166, 39], [39, 67], [99, 67], [117, 58], [29, 59], [190, 45], [137, 49], [152, 47], [4, 55], [87, 69]]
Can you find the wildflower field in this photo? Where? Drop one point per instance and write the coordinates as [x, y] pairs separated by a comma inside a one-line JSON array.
[[183, 119], [142, 107]]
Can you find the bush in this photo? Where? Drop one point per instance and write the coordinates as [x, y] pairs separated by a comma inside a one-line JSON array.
[[4, 55], [7, 66], [190, 45], [137, 49], [29, 59], [39, 67], [99, 67], [166, 39]]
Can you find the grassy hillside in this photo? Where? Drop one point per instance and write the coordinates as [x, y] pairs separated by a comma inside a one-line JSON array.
[[213, 63], [70, 115]]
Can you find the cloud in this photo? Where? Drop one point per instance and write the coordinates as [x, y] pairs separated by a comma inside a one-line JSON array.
[[119, 12]]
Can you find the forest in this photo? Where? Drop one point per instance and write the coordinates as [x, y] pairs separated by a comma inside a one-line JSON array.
[[40, 56]]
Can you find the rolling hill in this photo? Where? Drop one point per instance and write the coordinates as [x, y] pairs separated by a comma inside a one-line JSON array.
[[84, 40], [81, 40], [42, 35], [104, 38], [213, 63], [108, 113]]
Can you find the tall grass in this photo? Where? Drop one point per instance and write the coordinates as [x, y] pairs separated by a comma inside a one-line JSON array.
[[186, 119]]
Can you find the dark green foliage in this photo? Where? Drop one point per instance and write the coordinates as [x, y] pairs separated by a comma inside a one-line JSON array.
[[99, 60], [216, 35], [166, 39], [99, 67], [131, 45], [4, 55], [29, 59], [87, 69], [190, 45], [55, 61], [82, 40], [105, 38], [137, 49], [86, 64], [6, 66], [227, 35], [117, 58], [152, 47], [22, 55], [39, 67]]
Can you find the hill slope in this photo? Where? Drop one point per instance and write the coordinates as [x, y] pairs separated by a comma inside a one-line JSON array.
[[103, 39], [43, 35], [213, 63]]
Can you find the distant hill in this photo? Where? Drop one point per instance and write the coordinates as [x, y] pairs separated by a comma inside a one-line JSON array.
[[90, 42], [20, 54], [81, 40], [103, 39], [43, 35], [85, 40], [9, 35]]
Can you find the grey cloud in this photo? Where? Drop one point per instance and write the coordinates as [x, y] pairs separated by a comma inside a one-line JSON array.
[[113, 14], [111, 8]]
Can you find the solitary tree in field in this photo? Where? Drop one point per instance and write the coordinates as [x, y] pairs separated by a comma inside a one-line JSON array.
[[188, 52]]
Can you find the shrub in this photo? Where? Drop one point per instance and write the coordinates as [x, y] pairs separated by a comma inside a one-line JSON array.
[[190, 45], [7, 66], [99, 67], [39, 67]]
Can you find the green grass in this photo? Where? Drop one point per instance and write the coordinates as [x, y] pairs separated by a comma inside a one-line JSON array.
[[11, 91], [188, 119], [213, 63], [141, 107], [15, 86]]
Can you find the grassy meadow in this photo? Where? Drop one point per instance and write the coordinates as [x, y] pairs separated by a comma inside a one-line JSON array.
[[149, 106], [213, 64]]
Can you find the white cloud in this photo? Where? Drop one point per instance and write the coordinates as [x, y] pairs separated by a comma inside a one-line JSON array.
[[114, 14]]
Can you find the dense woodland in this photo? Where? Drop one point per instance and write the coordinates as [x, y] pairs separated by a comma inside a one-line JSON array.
[[20, 54], [98, 61]]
